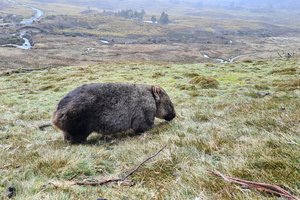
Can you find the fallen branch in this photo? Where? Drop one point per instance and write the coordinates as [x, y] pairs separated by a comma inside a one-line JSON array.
[[43, 126], [106, 181], [147, 159], [263, 187]]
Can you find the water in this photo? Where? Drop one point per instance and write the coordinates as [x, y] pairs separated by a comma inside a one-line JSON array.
[[38, 14], [223, 61], [150, 22], [104, 41], [26, 45]]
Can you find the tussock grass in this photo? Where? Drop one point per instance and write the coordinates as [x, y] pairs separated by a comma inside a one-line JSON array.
[[288, 85], [287, 71], [218, 128], [204, 81]]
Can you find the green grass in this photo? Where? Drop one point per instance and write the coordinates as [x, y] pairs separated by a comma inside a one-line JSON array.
[[217, 128]]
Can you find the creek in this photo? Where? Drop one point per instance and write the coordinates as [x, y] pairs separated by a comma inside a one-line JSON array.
[[26, 22]]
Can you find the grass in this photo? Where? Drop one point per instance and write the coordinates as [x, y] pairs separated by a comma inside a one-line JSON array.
[[205, 82], [218, 128]]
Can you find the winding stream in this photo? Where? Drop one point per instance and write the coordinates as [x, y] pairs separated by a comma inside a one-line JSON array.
[[38, 14], [221, 60]]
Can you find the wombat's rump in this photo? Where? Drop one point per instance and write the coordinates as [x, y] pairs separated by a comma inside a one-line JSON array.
[[109, 108]]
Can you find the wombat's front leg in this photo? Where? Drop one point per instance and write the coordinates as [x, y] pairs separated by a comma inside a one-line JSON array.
[[142, 124], [75, 138], [67, 136], [142, 128]]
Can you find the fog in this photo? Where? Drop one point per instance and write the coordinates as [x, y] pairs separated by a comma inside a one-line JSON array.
[[169, 4]]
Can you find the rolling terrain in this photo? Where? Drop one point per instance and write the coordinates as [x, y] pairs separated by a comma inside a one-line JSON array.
[[232, 74]]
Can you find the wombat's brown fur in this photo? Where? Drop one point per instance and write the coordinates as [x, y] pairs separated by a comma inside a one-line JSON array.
[[110, 108]]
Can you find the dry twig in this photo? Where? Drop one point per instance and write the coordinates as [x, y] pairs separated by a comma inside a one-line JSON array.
[[106, 181], [43, 126], [264, 187]]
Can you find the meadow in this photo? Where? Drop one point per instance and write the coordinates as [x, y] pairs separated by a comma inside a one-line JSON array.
[[241, 119]]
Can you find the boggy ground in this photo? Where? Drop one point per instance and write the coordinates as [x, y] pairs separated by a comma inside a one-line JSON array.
[[240, 119]]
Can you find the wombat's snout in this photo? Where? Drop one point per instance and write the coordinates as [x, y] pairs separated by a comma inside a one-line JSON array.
[[170, 116]]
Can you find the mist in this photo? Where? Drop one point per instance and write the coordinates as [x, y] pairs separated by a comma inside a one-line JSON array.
[[158, 5]]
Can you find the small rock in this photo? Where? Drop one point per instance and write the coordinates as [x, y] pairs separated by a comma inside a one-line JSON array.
[[11, 192], [263, 94]]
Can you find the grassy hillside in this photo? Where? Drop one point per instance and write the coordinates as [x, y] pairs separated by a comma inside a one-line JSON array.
[[240, 119]]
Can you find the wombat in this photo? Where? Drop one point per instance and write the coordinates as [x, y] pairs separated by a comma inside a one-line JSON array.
[[109, 108]]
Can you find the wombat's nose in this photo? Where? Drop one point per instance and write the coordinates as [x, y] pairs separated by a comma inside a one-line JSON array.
[[170, 116]]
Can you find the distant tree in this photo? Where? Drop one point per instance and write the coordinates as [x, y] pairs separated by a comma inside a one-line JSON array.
[[130, 14], [135, 14], [153, 19], [164, 18], [143, 13]]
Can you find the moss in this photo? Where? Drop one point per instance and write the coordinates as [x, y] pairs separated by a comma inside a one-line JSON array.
[[205, 82]]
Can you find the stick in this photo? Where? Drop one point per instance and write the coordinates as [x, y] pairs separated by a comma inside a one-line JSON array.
[[149, 158], [105, 181], [264, 187], [43, 126]]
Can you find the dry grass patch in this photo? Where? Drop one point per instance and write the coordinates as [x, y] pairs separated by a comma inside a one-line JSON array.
[[288, 85], [286, 71]]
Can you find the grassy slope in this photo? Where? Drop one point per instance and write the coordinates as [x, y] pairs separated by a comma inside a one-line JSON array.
[[230, 129]]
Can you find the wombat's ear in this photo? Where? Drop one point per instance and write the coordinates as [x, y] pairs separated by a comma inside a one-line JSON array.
[[156, 91]]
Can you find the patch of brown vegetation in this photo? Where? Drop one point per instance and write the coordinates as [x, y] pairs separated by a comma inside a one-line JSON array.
[[205, 82]]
